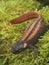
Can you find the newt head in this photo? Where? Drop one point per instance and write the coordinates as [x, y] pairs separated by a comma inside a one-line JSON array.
[[19, 46]]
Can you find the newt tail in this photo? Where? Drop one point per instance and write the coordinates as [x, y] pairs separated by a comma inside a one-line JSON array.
[[32, 32], [24, 17]]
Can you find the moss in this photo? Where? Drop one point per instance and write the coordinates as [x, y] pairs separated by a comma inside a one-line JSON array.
[[9, 34]]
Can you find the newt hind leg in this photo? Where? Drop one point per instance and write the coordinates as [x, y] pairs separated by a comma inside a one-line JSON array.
[[35, 50]]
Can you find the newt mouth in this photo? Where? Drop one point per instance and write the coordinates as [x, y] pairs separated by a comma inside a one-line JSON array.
[[14, 51]]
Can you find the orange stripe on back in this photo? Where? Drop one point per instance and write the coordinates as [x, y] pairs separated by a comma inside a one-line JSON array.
[[35, 32]]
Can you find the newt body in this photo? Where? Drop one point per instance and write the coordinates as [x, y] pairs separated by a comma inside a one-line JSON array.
[[31, 34]]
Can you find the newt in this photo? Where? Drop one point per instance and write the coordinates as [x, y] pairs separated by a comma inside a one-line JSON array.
[[32, 33]]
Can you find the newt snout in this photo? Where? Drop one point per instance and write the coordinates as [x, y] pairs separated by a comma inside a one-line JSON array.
[[18, 46]]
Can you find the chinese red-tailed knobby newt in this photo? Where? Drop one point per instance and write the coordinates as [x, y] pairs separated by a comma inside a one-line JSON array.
[[32, 32]]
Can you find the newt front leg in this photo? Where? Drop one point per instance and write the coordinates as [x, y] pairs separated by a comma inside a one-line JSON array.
[[34, 49]]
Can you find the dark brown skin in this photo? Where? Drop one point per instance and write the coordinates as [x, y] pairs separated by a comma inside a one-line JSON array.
[[31, 34]]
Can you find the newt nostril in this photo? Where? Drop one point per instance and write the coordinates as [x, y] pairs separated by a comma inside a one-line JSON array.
[[13, 51]]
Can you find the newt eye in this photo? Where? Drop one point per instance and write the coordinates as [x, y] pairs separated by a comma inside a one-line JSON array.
[[25, 45]]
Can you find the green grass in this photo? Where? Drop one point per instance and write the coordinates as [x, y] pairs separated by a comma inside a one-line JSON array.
[[9, 34]]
